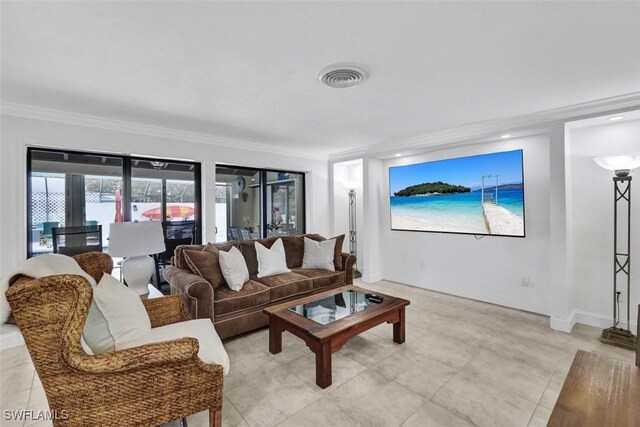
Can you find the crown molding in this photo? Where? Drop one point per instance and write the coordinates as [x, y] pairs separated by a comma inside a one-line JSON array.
[[51, 115], [494, 127]]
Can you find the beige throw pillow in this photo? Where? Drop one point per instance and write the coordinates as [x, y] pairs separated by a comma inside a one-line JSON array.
[[337, 260], [271, 261], [319, 255], [116, 317], [234, 268]]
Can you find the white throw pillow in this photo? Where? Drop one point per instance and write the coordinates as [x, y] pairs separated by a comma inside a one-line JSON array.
[[116, 318], [234, 268], [319, 255], [271, 261]]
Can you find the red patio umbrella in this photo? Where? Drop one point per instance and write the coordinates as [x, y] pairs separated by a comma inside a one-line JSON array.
[[178, 211], [119, 217]]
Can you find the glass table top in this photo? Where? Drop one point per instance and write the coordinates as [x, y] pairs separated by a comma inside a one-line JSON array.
[[335, 307]]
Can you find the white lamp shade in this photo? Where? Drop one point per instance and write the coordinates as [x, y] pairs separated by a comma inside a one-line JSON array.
[[618, 162], [351, 185], [130, 239]]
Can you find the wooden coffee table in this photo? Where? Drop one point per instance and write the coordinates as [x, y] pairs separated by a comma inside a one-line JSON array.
[[326, 320]]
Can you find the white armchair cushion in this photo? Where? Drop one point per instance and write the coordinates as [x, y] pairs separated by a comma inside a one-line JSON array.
[[116, 317], [211, 349]]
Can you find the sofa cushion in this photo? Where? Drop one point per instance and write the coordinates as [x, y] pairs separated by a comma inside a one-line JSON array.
[[323, 278], [210, 348], [337, 254], [205, 264], [252, 294], [178, 255], [286, 285]]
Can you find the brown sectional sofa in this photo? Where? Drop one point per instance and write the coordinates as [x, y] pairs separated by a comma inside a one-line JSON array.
[[234, 312]]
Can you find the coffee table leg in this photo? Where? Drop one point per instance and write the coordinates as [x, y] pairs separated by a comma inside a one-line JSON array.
[[398, 328], [275, 336], [323, 365]]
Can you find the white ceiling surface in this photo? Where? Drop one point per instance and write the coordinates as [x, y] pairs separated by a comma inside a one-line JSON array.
[[247, 70]]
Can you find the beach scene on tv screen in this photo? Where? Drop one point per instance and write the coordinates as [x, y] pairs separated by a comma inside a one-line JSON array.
[[481, 194]]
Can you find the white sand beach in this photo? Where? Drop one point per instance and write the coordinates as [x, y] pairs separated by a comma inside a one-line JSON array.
[[402, 222]]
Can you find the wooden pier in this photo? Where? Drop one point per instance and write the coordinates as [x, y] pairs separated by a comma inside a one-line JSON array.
[[501, 221]]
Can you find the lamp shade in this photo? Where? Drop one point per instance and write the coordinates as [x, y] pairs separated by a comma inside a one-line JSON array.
[[130, 239], [619, 162], [351, 185]]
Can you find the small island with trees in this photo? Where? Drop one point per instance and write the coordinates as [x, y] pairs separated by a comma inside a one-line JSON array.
[[431, 189]]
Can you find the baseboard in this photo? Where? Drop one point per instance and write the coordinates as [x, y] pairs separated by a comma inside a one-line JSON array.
[[492, 298], [563, 325], [600, 321], [10, 337], [371, 278], [586, 318]]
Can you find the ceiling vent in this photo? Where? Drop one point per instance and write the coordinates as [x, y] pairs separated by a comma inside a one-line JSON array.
[[341, 76]]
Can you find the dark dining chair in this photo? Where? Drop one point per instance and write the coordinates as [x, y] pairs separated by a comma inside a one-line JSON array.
[[176, 233], [77, 239]]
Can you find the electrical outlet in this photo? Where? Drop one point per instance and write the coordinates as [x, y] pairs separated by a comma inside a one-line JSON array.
[[525, 282], [622, 298]]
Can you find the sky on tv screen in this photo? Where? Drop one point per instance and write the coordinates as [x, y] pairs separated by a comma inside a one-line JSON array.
[[465, 171]]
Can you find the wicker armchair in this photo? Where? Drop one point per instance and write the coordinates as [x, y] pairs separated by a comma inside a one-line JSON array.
[[146, 385]]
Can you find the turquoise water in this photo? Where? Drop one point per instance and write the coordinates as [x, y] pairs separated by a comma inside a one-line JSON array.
[[460, 212]]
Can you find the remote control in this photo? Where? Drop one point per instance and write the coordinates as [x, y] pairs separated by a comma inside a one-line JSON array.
[[377, 299]]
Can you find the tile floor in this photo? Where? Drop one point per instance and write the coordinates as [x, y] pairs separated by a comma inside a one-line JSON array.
[[464, 363]]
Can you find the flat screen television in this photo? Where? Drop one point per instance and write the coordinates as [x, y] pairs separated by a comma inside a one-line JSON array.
[[480, 195]]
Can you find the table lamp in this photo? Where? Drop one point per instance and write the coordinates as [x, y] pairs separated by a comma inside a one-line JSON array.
[[135, 241]]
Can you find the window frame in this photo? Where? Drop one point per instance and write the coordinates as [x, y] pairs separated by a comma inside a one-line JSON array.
[[264, 215], [127, 161]]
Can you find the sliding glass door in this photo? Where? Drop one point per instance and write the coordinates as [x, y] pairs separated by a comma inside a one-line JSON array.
[[238, 200], [256, 203], [67, 189], [284, 203]]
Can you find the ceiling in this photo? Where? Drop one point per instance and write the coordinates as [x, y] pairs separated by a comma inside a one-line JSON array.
[[247, 70]]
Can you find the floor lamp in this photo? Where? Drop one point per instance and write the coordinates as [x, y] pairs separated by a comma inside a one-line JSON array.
[[352, 186], [622, 165]]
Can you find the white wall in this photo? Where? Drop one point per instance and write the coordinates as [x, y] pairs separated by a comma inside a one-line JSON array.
[[375, 195], [590, 220], [488, 269], [17, 133]]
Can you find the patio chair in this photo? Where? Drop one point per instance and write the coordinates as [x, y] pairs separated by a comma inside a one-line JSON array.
[[147, 385], [47, 230]]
